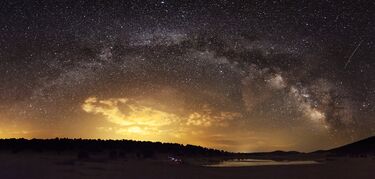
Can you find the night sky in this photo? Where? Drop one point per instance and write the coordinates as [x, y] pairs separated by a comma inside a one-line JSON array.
[[233, 75]]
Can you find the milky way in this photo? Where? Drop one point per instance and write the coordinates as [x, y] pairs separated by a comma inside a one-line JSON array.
[[239, 76]]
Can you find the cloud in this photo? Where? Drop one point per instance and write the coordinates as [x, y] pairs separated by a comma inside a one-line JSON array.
[[207, 119], [141, 120], [131, 113], [128, 112]]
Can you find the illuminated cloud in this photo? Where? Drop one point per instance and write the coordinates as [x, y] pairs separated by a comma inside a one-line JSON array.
[[199, 120], [125, 112], [139, 121], [207, 118]]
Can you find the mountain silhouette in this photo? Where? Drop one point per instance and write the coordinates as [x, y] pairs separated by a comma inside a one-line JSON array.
[[362, 147], [365, 146]]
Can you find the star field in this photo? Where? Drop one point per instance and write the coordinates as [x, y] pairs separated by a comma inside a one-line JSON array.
[[233, 75]]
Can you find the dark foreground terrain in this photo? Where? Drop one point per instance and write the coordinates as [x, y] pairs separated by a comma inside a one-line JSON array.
[[31, 166], [42, 159]]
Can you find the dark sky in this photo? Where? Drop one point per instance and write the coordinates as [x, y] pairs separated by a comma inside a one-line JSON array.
[[235, 75]]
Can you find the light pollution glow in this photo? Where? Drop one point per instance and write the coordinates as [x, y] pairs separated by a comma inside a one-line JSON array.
[[136, 121]]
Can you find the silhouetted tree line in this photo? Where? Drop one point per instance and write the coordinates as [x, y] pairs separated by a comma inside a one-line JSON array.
[[117, 147]]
